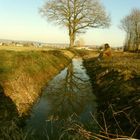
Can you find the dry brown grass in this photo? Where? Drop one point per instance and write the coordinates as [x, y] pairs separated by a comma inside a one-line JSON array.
[[125, 63], [116, 83]]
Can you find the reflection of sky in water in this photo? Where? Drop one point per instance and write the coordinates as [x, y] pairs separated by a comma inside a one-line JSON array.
[[69, 93]]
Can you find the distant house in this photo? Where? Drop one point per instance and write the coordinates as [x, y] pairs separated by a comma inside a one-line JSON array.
[[19, 45], [12, 43], [1, 43], [118, 49], [38, 45]]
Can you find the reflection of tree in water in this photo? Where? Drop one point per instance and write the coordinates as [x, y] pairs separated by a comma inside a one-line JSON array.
[[71, 95]]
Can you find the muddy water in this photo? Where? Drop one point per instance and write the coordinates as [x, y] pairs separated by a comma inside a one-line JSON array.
[[68, 96]]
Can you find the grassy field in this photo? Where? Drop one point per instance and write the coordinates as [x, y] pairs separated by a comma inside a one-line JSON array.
[[115, 82], [15, 48]]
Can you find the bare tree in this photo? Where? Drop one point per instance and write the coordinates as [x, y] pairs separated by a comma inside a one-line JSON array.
[[127, 26], [76, 15], [131, 25], [136, 22]]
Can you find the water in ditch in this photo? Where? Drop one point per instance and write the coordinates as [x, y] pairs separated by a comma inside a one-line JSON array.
[[68, 98]]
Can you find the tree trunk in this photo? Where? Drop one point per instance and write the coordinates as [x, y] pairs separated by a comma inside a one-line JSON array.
[[129, 42], [72, 39], [136, 38]]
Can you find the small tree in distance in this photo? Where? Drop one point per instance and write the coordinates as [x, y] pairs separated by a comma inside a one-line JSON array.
[[76, 15], [80, 42]]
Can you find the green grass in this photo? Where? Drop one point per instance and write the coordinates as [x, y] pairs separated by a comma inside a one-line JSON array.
[[31, 62]]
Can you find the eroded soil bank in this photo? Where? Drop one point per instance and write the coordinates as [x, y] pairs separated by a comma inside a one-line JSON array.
[[22, 77], [23, 74], [116, 84]]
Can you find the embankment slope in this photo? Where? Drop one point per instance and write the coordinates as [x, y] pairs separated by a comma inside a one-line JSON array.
[[116, 83], [24, 74]]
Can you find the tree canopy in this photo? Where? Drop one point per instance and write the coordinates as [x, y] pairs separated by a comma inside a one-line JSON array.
[[76, 15]]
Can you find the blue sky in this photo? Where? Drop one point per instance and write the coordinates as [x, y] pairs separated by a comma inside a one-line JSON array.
[[20, 20]]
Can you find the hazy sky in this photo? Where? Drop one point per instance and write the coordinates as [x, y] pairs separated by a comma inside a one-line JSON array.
[[20, 20]]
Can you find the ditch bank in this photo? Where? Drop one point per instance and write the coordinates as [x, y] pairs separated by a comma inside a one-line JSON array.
[[24, 74], [115, 83]]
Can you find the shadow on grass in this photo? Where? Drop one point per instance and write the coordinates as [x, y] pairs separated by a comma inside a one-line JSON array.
[[118, 98], [9, 119]]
